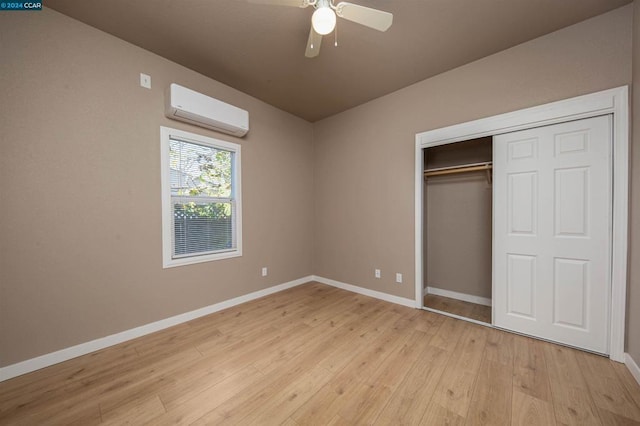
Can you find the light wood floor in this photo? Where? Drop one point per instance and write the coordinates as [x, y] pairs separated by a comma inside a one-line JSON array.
[[319, 355], [458, 307]]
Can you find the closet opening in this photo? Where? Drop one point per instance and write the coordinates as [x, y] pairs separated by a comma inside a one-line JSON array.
[[457, 228], [544, 158]]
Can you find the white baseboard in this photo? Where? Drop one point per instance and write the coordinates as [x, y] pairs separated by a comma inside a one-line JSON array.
[[632, 366], [365, 291], [479, 300], [52, 358]]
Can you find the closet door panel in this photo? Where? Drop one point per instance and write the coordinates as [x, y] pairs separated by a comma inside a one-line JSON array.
[[571, 202], [522, 203], [571, 293], [552, 203], [519, 150], [521, 290]]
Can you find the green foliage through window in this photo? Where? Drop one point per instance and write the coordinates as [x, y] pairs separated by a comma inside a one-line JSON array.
[[201, 180], [198, 170]]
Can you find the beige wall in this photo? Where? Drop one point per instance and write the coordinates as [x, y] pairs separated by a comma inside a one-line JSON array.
[[633, 309], [80, 252], [457, 209], [458, 234], [364, 157]]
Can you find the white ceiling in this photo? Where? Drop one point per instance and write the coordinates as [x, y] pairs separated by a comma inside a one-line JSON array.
[[259, 49]]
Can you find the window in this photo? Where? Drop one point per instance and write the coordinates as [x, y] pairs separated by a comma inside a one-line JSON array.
[[201, 208]]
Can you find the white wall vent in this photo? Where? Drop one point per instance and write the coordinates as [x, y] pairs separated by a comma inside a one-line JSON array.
[[192, 107]]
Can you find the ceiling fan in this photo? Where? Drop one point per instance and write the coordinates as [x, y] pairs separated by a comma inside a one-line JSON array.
[[323, 20]]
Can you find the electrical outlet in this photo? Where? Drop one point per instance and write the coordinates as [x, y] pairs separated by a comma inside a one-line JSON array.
[[145, 81], [377, 272], [398, 277], [264, 271]]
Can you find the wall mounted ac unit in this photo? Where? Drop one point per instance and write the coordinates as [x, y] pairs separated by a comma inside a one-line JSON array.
[[192, 107]]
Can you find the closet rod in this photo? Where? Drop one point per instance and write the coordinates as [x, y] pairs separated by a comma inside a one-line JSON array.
[[458, 169]]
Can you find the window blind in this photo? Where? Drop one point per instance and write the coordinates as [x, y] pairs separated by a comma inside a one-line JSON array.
[[202, 198]]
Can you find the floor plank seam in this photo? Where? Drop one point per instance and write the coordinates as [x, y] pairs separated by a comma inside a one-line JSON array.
[[310, 349]]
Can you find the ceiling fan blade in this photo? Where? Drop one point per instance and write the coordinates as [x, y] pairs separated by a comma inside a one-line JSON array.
[[372, 18], [292, 3], [313, 44]]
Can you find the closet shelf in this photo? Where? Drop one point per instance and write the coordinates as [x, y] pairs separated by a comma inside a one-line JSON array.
[[462, 168]]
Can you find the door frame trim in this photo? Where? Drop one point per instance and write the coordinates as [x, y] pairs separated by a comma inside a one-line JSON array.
[[613, 101]]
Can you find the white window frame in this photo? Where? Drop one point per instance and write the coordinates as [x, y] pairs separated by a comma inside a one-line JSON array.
[[168, 261]]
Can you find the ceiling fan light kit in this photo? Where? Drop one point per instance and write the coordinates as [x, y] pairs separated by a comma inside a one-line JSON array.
[[323, 20]]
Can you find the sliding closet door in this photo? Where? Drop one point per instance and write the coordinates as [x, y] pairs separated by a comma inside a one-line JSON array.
[[552, 232]]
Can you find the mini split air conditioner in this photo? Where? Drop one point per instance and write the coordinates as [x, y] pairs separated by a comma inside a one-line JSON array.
[[192, 107]]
